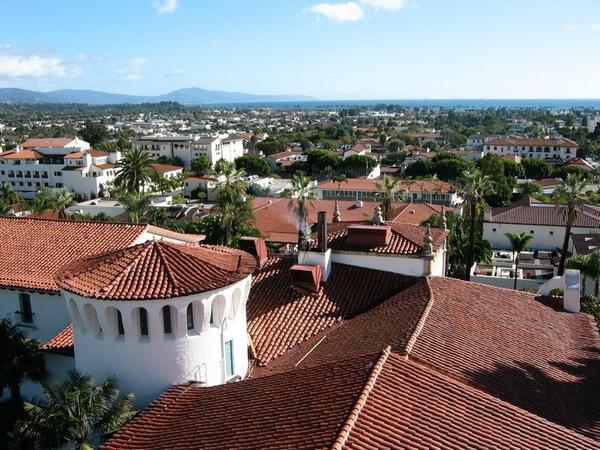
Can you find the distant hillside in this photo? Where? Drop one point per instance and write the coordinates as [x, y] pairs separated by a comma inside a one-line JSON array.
[[188, 96]]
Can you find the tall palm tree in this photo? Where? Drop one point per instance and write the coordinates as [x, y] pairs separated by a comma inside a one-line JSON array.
[[135, 203], [476, 187], [570, 192], [135, 170], [390, 193], [230, 182], [76, 412], [519, 242], [61, 200], [42, 201], [20, 360], [234, 216], [302, 191], [339, 179]]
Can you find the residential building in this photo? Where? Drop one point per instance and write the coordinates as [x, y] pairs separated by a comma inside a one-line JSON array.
[[545, 222], [81, 170], [592, 122], [476, 140], [358, 149], [554, 148], [188, 148], [284, 159], [429, 191]]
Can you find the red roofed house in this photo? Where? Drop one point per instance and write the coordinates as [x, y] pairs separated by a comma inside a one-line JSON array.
[[553, 148]]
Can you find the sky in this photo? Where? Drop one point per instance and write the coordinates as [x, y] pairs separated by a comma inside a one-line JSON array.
[[348, 49]]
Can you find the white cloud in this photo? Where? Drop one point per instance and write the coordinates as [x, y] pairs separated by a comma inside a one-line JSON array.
[[31, 66], [339, 12], [133, 70], [165, 6], [386, 5], [596, 27]]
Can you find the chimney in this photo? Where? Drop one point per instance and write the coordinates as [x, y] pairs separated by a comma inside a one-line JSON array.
[[322, 257], [256, 247], [369, 235], [306, 277]]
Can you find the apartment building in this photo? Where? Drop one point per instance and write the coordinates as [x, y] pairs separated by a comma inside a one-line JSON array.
[[553, 148], [60, 163], [188, 148]]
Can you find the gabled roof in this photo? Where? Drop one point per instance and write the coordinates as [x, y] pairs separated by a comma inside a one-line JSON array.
[[62, 343], [47, 142], [541, 142], [280, 317], [155, 270], [406, 239], [33, 250], [163, 168], [75, 155], [528, 212], [23, 154], [373, 401]]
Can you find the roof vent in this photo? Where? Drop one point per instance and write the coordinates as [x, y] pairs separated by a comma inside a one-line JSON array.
[[256, 247], [306, 278], [359, 204], [369, 235]]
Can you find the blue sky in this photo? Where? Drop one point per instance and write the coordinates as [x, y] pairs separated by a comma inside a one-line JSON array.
[[330, 50]]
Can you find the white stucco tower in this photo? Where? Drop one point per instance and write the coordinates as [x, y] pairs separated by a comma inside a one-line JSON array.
[[158, 314]]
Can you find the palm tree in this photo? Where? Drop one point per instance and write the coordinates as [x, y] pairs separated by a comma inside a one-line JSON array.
[[8, 195], [135, 170], [582, 263], [571, 193], [519, 242], [20, 360], [76, 412], [42, 201], [61, 200], [476, 186], [339, 179], [390, 193], [234, 217], [230, 182], [302, 191], [135, 203]]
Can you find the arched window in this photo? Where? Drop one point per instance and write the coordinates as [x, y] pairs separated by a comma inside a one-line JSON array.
[[217, 311], [120, 327], [143, 322], [167, 320], [91, 320], [190, 317]]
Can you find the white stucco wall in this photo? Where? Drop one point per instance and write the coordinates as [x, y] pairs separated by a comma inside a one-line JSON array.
[[545, 237], [392, 263], [49, 313], [57, 367], [147, 365]]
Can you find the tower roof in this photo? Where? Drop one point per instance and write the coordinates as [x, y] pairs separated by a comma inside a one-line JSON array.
[[155, 270]]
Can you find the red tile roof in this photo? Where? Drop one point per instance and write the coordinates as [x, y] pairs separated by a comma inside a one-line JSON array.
[[75, 155], [280, 317], [363, 184], [163, 168], [155, 270], [373, 401], [62, 343], [105, 166], [586, 243], [299, 409], [416, 213], [406, 239], [97, 153], [541, 142], [33, 250], [530, 213], [527, 351], [23, 154], [47, 142]]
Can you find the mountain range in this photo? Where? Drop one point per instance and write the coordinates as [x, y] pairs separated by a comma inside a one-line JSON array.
[[187, 96]]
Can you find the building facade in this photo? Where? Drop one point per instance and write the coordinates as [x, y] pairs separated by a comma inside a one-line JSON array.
[[554, 148]]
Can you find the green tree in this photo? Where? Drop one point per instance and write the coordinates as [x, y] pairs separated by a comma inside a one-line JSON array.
[[358, 165], [570, 193], [253, 165], [8, 195], [518, 242], [536, 168], [394, 158], [300, 194], [201, 165], [339, 179], [390, 192], [451, 169], [135, 170], [76, 412], [42, 201], [94, 133], [61, 200], [529, 188], [420, 168], [395, 145], [476, 187], [318, 160], [135, 203]]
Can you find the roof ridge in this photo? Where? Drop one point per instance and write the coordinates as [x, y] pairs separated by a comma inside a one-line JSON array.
[[159, 251], [127, 270], [421, 323], [344, 433]]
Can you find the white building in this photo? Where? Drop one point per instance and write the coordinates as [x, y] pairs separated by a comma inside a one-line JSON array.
[[61, 163], [188, 148], [554, 148], [592, 122]]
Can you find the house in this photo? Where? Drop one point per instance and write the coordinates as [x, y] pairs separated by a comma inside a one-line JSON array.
[[428, 136], [553, 148], [358, 149], [284, 159], [247, 335], [188, 148], [168, 170], [476, 140], [545, 222], [81, 170], [430, 191], [205, 183]]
